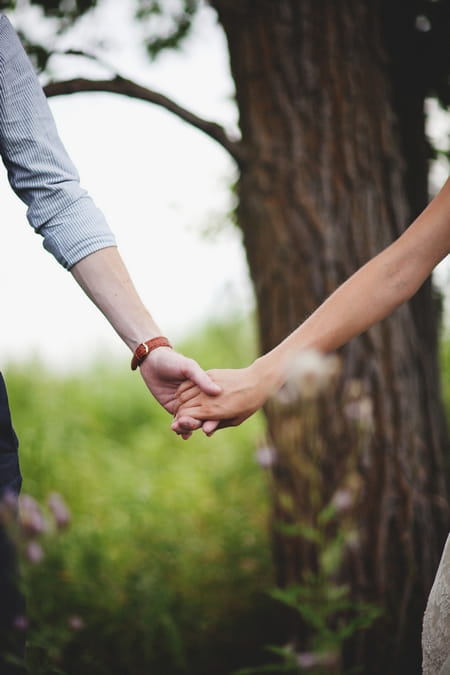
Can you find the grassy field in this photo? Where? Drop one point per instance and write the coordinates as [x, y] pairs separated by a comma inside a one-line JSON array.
[[166, 565], [167, 559]]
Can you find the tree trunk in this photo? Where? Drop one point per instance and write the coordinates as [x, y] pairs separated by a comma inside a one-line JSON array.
[[324, 187]]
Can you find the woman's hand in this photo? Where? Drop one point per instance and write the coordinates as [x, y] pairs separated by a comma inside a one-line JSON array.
[[243, 391], [164, 370]]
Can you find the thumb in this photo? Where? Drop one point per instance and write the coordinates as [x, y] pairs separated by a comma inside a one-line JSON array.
[[202, 379]]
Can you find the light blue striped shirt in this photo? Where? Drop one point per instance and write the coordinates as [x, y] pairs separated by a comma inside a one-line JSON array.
[[39, 169]]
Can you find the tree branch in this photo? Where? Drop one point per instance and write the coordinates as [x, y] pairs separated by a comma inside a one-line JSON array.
[[121, 85]]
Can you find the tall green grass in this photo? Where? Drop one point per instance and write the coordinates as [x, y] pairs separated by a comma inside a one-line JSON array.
[[168, 559], [445, 368]]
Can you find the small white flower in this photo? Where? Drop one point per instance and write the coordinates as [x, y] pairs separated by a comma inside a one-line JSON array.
[[75, 623], [342, 500], [307, 659], [313, 659], [34, 552], [266, 456], [360, 410], [311, 372]]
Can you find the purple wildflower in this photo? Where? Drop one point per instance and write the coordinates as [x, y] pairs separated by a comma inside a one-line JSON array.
[[59, 510]]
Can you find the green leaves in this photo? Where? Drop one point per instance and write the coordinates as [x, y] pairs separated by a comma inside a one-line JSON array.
[[64, 10], [168, 25], [38, 54], [165, 25]]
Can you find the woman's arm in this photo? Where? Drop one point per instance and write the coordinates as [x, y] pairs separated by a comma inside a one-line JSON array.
[[369, 295], [375, 290]]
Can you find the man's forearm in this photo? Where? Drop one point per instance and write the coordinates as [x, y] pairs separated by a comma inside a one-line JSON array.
[[105, 279]]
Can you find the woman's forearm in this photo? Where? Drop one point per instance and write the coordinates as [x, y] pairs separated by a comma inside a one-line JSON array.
[[373, 292]]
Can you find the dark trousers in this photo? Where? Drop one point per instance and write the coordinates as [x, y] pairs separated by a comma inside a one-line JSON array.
[[11, 601]]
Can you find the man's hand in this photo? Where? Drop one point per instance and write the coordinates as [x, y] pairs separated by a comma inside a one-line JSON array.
[[164, 370]]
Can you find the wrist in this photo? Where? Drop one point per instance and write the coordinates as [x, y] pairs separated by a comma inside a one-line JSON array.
[[145, 348], [264, 373], [268, 373], [140, 335]]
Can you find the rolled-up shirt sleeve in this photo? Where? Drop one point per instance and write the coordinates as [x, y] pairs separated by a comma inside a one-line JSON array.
[[39, 168]]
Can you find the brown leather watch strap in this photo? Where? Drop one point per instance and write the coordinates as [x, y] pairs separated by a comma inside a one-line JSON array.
[[143, 350]]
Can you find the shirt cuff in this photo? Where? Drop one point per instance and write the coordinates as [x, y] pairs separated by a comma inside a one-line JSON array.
[[75, 232]]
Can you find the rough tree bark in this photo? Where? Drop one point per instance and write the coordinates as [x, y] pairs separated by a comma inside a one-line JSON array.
[[325, 184]]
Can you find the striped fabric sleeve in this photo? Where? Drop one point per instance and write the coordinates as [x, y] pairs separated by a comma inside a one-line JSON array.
[[39, 169]]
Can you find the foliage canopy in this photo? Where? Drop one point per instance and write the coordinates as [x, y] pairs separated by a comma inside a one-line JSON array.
[[166, 23]]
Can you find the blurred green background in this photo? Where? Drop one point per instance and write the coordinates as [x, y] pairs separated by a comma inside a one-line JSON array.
[[166, 566], [167, 559]]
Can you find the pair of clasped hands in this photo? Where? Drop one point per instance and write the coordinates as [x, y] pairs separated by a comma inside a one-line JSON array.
[[207, 400], [234, 395], [221, 398]]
